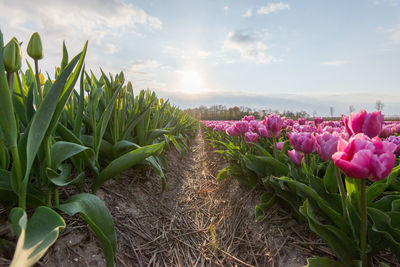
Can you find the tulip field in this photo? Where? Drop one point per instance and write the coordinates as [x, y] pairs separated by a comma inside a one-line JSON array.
[[68, 135], [339, 177], [53, 137]]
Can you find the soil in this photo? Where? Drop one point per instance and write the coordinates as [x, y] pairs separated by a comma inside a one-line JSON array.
[[196, 221]]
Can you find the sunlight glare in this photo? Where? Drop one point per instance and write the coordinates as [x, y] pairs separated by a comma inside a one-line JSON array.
[[192, 82]]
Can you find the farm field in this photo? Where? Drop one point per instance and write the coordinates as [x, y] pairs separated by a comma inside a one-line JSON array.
[[179, 133]]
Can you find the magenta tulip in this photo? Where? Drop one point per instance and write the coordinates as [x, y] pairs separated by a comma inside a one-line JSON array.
[[363, 122], [250, 137], [302, 142], [295, 156], [263, 132], [241, 127], [365, 158], [318, 120], [326, 145], [274, 124], [231, 131]]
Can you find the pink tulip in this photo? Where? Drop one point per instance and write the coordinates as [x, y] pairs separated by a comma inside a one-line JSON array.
[[395, 140], [326, 145], [301, 121], [241, 127], [295, 156], [279, 145], [318, 120], [248, 118], [365, 158], [263, 132], [363, 122], [231, 131], [274, 124], [386, 132], [250, 137], [302, 142]]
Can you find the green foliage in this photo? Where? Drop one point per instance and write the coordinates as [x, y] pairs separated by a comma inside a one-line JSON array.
[[52, 135]]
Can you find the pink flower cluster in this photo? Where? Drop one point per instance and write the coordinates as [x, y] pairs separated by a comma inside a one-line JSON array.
[[361, 145]]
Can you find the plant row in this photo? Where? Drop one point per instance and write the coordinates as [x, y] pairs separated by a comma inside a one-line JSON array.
[[75, 130], [339, 177]]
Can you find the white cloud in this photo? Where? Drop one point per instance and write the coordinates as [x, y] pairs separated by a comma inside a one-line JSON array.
[[226, 8], [248, 13], [392, 3], [272, 7], [250, 45], [111, 49], [143, 67], [394, 34], [334, 62], [75, 21]]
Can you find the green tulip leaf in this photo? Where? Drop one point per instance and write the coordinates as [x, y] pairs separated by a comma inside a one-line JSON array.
[[96, 214]]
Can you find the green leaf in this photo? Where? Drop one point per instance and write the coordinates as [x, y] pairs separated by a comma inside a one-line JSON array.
[[330, 179], [322, 262], [223, 173], [382, 224], [97, 215], [125, 162], [325, 206], [7, 118], [267, 201], [62, 176], [42, 119], [34, 236], [61, 151], [343, 246]]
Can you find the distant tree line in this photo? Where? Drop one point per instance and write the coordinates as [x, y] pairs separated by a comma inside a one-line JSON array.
[[221, 112]]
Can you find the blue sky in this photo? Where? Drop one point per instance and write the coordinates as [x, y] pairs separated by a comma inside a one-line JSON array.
[[296, 55]]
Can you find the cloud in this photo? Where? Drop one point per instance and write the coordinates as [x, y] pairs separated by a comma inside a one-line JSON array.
[[334, 63], [250, 45], [394, 34], [392, 3], [142, 67], [99, 21], [272, 8], [226, 8], [111, 49], [248, 13]]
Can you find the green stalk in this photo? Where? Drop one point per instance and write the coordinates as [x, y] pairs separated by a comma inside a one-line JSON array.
[[341, 190], [10, 79], [38, 79], [274, 146], [364, 223], [56, 197], [20, 88]]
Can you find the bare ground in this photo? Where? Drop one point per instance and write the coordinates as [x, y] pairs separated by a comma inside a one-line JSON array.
[[196, 221]]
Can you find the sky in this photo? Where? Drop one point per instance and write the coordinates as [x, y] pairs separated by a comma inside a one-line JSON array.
[[281, 55]]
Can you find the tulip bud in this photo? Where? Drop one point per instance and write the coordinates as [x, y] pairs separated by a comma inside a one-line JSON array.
[[12, 56], [34, 48]]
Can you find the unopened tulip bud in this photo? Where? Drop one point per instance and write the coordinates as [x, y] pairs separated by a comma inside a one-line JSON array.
[[12, 56], [34, 48]]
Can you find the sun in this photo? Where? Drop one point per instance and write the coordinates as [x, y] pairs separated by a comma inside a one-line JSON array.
[[192, 82]]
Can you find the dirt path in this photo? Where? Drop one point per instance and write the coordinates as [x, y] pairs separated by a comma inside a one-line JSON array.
[[197, 221]]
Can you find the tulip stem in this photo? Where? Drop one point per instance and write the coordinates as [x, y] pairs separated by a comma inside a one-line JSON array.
[[274, 145], [10, 79], [21, 88], [342, 192], [364, 224], [38, 79]]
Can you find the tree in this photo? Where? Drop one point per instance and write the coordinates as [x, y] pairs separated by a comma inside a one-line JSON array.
[[332, 110], [379, 105]]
